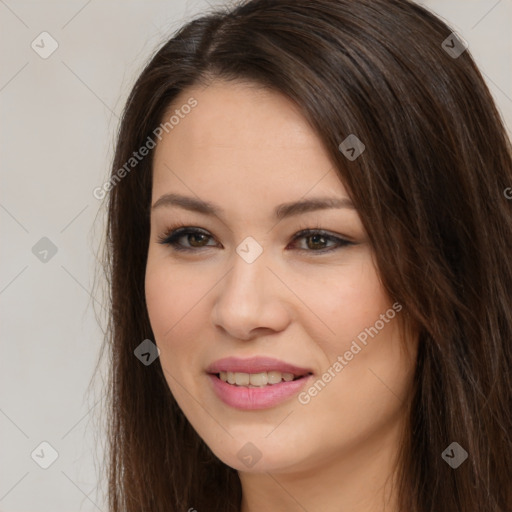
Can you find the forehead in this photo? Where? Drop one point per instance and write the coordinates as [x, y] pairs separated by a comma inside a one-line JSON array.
[[234, 113], [242, 135]]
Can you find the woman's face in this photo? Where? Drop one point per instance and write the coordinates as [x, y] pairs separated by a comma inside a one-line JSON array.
[[246, 174]]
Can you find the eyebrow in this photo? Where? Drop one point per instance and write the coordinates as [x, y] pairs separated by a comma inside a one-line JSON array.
[[281, 211]]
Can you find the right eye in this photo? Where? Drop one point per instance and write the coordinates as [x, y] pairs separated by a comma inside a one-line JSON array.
[[195, 237]]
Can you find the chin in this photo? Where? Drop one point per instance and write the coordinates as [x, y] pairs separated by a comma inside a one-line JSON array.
[[259, 455]]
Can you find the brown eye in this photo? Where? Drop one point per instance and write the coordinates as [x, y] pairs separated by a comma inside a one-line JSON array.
[[192, 239], [316, 241], [196, 239], [320, 241], [186, 239]]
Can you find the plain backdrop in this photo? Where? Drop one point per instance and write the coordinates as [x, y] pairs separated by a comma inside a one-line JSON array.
[[59, 116]]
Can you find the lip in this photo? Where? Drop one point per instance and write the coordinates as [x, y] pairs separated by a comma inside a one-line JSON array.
[[255, 365], [246, 398]]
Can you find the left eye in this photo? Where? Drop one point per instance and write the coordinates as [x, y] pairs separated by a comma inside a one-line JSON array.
[[317, 240], [196, 238]]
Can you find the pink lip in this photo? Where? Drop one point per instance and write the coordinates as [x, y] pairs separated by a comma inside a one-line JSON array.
[[244, 397], [255, 365]]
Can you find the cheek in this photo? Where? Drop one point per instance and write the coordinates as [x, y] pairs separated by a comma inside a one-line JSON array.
[[170, 299], [364, 387], [356, 320], [171, 292], [344, 301], [175, 308], [161, 294]]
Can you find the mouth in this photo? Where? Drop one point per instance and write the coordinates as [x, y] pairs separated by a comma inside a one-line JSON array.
[[258, 380], [256, 372]]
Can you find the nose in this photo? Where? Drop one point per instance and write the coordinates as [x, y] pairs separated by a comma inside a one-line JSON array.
[[251, 301]]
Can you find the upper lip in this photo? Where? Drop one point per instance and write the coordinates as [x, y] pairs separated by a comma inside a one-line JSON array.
[[255, 365]]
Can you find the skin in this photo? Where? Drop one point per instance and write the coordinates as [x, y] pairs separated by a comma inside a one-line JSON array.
[[248, 150]]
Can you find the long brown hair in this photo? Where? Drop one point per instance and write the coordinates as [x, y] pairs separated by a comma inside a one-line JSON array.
[[429, 189]]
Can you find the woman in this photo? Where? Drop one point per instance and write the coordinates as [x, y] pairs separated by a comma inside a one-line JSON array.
[[309, 252]]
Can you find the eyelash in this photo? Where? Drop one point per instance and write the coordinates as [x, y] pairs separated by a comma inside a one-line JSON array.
[[173, 234]]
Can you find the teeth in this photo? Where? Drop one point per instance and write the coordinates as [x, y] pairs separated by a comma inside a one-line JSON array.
[[274, 377], [242, 379], [258, 379], [255, 379]]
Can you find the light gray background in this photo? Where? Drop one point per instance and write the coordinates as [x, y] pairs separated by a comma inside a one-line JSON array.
[[58, 121]]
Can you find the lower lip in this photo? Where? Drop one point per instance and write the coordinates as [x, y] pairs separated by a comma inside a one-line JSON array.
[[242, 397]]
